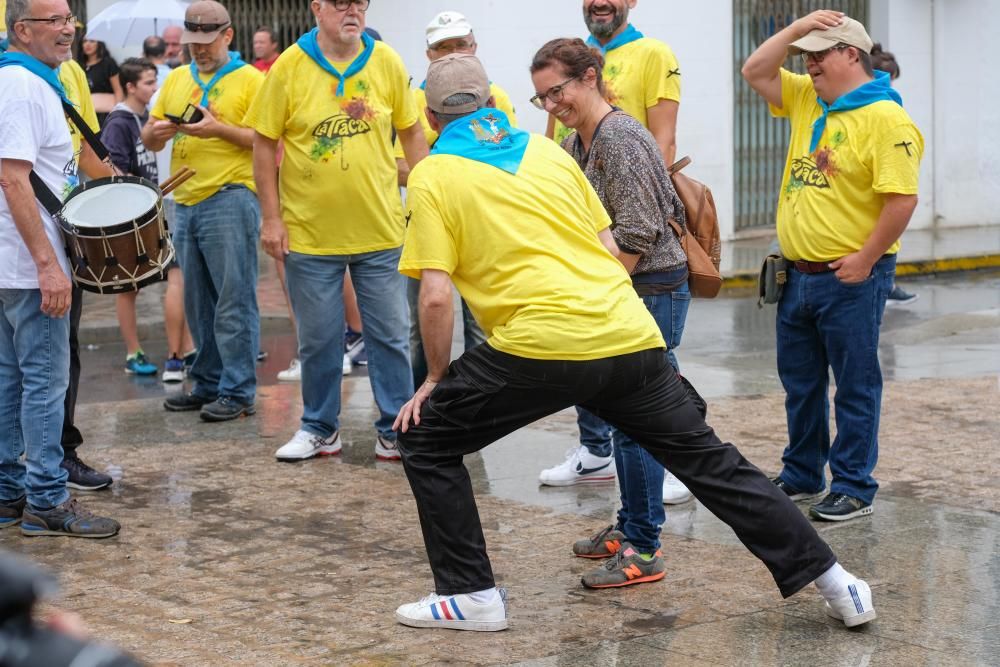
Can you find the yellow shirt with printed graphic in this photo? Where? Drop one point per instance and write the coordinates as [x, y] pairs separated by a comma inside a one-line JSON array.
[[831, 199], [523, 251], [217, 162], [338, 174], [74, 80], [500, 98], [637, 76]]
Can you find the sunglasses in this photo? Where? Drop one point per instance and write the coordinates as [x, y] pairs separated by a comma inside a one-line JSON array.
[[204, 27], [819, 56]]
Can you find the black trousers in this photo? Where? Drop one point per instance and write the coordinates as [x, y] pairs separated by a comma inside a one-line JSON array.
[[488, 394], [71, 436]]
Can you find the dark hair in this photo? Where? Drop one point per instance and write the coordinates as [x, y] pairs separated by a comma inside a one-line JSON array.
[[154, 47], [132, 69], [456, 100], [573, 55], [866, 62], [102, 52], [885, 61], [270, 32]]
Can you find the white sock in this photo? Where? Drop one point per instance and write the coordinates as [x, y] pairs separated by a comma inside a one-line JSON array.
[[485, 596], [834, 582]]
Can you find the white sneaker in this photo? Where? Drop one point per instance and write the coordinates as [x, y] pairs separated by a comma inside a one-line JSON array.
[[292, 374], [458, 612], [854, 607], [674, 491], [305, 445], [386, 449], [579, 467], [348, 366]]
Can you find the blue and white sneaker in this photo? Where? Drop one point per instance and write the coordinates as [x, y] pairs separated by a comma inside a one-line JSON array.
[[139, 364], [173, 370], [854, 607], [580, 467], [458, 612]]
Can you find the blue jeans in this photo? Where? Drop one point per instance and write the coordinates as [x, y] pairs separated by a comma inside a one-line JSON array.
[[216, 242], [34, 375], [640, 476], [472, 332], [823, 323], [315, 287]]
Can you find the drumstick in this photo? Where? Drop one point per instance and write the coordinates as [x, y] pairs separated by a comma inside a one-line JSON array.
[[177, 182], [180, 172]]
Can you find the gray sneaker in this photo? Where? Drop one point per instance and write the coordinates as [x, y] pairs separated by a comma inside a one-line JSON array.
[[225, 408], [604, 544], [69, 519], [626, 568]]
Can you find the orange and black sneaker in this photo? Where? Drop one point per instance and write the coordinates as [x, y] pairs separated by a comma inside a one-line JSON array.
[[604, 544], [627, 567]]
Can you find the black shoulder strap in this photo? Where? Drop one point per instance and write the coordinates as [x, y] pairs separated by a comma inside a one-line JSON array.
[[45, 196]]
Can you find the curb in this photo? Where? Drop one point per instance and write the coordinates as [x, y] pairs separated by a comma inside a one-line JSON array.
[[748, 279]]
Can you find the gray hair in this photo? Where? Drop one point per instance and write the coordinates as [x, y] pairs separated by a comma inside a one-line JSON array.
[[17, 10], [456, 100]]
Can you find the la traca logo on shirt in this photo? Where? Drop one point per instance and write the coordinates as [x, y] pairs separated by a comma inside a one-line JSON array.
[[342, 126]]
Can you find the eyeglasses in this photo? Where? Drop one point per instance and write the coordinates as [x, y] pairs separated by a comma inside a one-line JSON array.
[[55, 21], [204, 27], [457, 47], [819, 56], [342, 5], [555, 94]]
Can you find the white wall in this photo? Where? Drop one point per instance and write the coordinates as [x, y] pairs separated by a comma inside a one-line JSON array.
[[509, 33]]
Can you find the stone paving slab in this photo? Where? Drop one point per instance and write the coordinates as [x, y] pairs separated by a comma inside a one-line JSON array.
[[288, 564]]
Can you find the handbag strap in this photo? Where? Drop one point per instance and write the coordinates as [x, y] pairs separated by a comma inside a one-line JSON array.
[[48, 199]]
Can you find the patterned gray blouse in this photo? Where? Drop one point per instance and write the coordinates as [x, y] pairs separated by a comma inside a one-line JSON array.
[[626, 168]]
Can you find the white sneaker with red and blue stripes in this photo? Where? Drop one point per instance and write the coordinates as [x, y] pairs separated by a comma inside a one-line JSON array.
[[458, 612]]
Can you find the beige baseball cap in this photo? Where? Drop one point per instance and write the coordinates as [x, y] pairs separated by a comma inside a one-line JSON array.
[[849, 32], [456, 73], [209, 16], [447, 25]]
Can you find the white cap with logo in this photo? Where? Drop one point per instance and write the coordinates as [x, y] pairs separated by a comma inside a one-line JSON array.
[[447, 25]]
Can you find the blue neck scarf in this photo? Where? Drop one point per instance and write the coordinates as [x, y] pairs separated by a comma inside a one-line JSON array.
[[484, 136], [235, 62], [876, 90], [630, 34], [310, 45], [36, 67]]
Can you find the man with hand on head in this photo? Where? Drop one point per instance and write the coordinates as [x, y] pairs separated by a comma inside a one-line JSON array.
[[849, 189], [218, 217]]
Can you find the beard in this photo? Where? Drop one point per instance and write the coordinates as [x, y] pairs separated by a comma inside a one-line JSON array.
[[602, 30]]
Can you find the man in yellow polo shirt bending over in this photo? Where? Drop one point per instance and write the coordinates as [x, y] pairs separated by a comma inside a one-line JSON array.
[[849, 189], [334, 98], [511, 219], [218, 217]]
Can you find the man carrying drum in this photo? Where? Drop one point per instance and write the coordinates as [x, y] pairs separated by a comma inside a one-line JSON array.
[[218, 217], [35, 289]]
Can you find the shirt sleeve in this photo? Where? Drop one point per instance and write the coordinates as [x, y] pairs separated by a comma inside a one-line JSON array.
[[793, 87], [631, 188], [116, 140], [662, 77], [20, 138], [896, 159], [428, 244], [502, 100], [404, 108], [598, 214], [254, 83], [268, 112]]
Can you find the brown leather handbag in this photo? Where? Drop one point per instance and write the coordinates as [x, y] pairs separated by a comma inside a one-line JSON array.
[[701, 240]]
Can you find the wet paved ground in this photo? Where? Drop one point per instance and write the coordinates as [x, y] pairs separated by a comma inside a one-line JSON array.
[[228, 557]]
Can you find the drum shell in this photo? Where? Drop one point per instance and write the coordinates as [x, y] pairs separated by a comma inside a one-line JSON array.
[[124, 255]]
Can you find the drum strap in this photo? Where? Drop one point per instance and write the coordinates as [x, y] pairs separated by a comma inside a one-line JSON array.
[[45, 196]]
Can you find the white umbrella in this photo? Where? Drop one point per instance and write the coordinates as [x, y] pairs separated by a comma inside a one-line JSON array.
[[131, 21]]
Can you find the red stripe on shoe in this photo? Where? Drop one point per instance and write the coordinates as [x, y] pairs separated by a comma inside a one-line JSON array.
[[444, 608]]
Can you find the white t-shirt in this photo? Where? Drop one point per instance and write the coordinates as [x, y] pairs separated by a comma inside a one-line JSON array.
[[34, 130]]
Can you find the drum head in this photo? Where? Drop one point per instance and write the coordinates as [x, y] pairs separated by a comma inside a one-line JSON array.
[[110, 204]]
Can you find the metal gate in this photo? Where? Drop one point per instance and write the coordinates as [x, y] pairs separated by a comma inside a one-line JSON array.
[[288, 18], [760, 141]]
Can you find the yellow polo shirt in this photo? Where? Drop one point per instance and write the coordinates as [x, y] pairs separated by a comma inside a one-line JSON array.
[[74, 80], [831, 198], [637, 76], [338, 174], [523, 251], [216, 161]]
